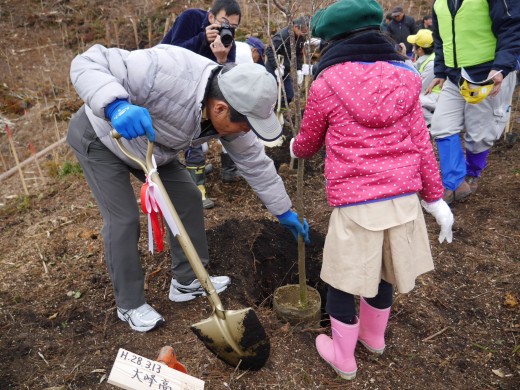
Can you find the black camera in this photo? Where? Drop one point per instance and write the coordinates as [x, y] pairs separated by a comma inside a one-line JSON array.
[[227, 33]]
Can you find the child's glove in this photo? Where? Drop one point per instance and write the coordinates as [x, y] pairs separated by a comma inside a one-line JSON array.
[[290, 220], [130, 121], [444, 217]]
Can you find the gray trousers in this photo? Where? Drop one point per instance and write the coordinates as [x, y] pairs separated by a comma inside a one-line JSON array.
[[484, 122], [109, 179]]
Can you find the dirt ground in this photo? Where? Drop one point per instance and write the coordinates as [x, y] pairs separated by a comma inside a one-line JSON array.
[[458, 329]]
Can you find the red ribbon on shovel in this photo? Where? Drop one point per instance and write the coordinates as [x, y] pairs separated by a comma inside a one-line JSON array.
[[156, 207], [155, 217]]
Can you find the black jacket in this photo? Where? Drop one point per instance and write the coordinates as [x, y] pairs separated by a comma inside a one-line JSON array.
[[282, 45], [399, 31]]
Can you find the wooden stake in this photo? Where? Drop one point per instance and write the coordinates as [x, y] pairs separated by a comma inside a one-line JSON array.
[[33, 152], [107, 35], [57, 128], [116, 32], [11, 143], [507, 129], [150, 44], [166, 25], [136, 35], [13, 170], [3, 162]]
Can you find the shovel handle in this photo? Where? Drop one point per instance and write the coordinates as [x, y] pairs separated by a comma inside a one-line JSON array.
[[183, 238], [280, 82]]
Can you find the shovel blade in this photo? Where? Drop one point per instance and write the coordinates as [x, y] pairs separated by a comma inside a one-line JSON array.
[[236, 337]]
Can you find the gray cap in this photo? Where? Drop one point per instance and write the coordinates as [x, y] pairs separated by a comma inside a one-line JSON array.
[[397, 11], [251, 90]]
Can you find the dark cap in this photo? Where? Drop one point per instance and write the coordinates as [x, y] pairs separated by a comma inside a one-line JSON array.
[[397, 10], [258, 45]]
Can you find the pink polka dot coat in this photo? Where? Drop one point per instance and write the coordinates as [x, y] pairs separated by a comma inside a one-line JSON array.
[[377, 145]]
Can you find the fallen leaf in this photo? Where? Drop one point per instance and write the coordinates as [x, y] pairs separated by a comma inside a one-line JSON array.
[[498, 373], [510, 300], [53, 316]]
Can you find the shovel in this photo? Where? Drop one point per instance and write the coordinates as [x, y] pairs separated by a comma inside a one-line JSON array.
[[235, 336], [279, 113]]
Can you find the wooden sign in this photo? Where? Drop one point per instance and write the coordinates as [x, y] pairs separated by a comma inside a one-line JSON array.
[[134, 372]]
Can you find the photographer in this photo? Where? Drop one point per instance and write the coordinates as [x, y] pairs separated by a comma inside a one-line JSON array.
[[196, 30], [211, 35]]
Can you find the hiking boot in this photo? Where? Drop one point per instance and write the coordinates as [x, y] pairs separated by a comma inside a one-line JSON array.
[[183, 293], [448, 196], [473, 183], [229, 172], [198, 174], [462, 192], [142, 319]]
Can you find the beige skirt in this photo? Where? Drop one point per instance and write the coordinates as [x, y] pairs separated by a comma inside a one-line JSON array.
[[382, 240]]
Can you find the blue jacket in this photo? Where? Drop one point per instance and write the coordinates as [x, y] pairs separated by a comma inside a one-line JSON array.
[[189, 31], [505, 20]]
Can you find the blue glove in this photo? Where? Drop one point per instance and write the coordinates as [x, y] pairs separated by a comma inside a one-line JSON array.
[[130, 121], [289, 219]]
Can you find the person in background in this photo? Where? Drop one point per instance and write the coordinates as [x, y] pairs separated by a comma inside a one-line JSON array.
[[425, 23], [162, 92], [257, 49], [386, 22], [282, 46], [400, 27], [364, 108], [244, 54], [252, 50], [424, 56], [477, 43], [197, 30]]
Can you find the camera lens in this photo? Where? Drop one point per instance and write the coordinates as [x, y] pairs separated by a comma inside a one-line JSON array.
[[226, 35]]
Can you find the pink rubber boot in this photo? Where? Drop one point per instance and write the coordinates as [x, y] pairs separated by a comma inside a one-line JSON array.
[[372, 326], [339, 351]]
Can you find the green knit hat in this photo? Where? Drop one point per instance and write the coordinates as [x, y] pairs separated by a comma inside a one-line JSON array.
[[346, 16]]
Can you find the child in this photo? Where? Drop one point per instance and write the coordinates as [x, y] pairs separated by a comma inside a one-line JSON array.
[[364, 106], [423, 49]]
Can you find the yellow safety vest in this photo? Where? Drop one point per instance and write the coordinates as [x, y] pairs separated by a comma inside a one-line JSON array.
[[467, 39], [431, 57]]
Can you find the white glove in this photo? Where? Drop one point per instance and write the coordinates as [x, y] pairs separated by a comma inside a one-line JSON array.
[[300, 77], [279, 72], [444, 217], [290, 148], [306, 69]]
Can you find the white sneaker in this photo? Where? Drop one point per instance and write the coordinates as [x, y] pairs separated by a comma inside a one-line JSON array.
[[142, 319], [182, 293]]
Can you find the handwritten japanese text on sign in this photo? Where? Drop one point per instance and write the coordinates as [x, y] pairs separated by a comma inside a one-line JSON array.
[[134, 372]]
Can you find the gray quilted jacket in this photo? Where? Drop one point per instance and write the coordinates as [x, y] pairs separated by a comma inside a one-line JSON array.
[[170, 82]]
